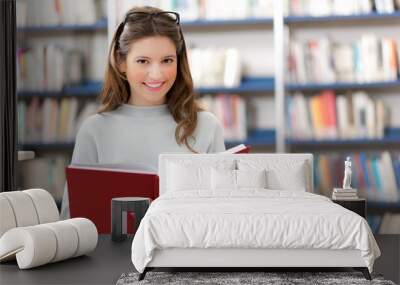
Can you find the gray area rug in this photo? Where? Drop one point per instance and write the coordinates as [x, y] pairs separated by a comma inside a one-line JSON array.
[[230, 278]]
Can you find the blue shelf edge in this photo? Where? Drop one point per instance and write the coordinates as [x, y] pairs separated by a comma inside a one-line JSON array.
[[341, 85], [261, 137], [256, 137], [90, 88], [46, 146], [248, 84], [226, 22], [392, 135], [345, 142], [102, 23], [99, 25], [335, 18]]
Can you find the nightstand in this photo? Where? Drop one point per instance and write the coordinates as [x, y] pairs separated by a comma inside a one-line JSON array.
[[119, 207], [358, 206]]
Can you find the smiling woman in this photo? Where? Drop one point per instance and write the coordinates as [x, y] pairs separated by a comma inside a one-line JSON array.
[[147, 104]]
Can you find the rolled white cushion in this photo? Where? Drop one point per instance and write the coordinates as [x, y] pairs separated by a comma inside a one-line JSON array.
[[40, 244], [7, 218], [33, 246], [87, 235], [46, 208], [23, 208], [67, 239]]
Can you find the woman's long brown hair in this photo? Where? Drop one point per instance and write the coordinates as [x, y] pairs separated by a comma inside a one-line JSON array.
[[180, 98]]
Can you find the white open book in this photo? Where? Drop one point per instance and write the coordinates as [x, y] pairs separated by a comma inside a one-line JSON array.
[[240, 148]]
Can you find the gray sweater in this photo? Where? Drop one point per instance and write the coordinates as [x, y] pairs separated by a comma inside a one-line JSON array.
[[132, 135]]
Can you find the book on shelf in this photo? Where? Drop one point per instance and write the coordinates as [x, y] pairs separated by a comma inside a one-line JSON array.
[[344, 194], [321, 60], [344, 197], [319, 8], [344, 191], [91, 187], [260, 112], [330, 116], [52, 120], [206, 10], [45, 171], [215, 67], [52, 67], [58, 12], [231, 112]]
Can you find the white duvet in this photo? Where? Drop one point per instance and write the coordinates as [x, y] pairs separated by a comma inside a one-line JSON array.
[[250, 219]]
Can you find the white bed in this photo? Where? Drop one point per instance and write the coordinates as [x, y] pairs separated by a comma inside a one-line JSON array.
[[203, 220]]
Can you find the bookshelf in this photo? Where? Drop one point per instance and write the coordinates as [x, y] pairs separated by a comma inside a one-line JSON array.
[[275, 86], [258, 85], [73, 34], [329, 153]]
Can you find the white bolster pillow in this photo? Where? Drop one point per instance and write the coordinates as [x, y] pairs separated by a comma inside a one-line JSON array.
[[33, 246], [23, 208], [45, 206], [26, 208], [40, 244], [7, 218], [67, 240], [87, 235]]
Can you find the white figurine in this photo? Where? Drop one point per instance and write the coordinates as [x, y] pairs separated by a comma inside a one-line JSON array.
[[347, 174]]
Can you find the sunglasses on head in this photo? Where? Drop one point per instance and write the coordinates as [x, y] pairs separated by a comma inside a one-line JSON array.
[[137, 16]]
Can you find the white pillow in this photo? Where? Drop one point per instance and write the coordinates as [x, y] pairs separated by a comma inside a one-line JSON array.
[[185, 175], [237, 179], [223, 179], [282, 174], [251, 178], [183, 178]]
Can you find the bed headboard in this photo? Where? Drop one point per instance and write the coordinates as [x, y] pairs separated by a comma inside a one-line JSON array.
[[299, 167]]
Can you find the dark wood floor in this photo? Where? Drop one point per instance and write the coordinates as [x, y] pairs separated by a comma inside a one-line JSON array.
[[389, 262], [110, 260]]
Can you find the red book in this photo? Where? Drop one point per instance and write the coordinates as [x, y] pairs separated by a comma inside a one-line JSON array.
[[329, 113], [91, 189]]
